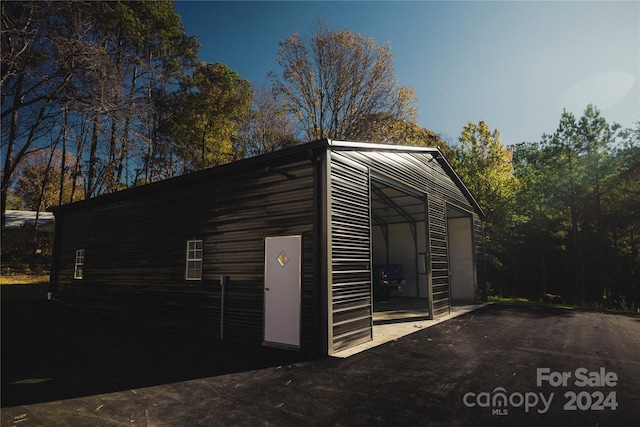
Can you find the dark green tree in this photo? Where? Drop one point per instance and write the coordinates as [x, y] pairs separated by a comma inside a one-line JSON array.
[[204, 117], [621, 224], [578, 198]]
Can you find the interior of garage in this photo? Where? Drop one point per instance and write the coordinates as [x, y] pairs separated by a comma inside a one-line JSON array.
[[399, 237]]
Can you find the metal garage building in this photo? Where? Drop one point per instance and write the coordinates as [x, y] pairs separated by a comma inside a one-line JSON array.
[[277, 249]]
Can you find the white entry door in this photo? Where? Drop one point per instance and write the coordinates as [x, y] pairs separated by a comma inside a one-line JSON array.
[[282, 292]]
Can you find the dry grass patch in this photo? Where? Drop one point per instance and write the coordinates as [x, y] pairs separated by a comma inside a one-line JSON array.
[[23, 279]]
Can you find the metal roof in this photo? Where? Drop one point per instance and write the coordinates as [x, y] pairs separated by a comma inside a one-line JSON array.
[[309, 149], [15, 219]]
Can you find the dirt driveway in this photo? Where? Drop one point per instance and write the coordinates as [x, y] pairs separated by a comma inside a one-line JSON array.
[[501, 365]]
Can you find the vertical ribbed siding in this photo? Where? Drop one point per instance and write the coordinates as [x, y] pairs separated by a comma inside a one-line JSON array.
[[439, 256], [351, 302]]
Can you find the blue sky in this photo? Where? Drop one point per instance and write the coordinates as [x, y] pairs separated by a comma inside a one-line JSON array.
[[516, 65]]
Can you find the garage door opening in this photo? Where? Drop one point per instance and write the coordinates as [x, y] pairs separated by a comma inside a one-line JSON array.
[[399, 252], [462, 272]]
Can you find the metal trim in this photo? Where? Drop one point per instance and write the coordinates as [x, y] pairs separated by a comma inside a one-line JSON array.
[[327, 241], [427, 236], [393, 182], [362, 145]]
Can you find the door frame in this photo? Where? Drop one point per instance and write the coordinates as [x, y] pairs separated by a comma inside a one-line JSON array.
[[292, 304], [467, 217]]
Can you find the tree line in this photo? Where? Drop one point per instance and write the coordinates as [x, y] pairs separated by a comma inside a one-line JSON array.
[[101, 96], [563, 213]]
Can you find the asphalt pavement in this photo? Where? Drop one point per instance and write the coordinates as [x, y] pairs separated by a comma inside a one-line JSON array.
[[500, 365]]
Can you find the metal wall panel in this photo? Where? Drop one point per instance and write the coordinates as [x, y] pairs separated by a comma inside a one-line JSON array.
[[439, 256], [478, 233], [350, 235], [135, 248]]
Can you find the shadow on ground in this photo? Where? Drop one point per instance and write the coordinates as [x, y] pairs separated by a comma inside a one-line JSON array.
[[419, 379], [51, 352]]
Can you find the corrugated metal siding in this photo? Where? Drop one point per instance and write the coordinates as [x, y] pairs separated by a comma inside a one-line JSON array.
[[438, 241], [351, 295], [135, 249]]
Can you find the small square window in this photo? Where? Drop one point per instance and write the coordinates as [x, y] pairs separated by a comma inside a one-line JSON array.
[[79, 268], [194, 260]]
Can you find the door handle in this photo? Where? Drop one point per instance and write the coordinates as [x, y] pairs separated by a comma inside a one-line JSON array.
[[266, 289]]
